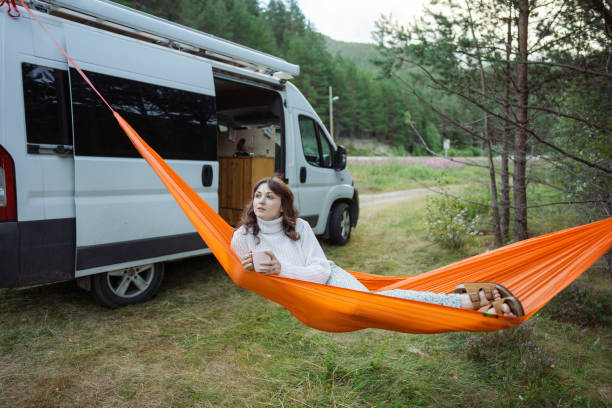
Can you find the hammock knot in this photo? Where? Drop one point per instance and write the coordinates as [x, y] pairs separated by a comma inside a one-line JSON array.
[[13, 11]]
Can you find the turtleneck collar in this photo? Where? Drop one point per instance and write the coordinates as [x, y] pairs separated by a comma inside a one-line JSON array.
[[270, 227]]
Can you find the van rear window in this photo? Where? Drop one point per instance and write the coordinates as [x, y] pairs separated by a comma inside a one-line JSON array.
[[177, 124], [46, 101]]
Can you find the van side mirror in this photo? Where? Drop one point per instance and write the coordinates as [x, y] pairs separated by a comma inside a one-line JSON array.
[[340, 158]]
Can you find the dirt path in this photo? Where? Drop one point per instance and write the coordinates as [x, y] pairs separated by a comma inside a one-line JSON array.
[[436, 162], [368, 200]]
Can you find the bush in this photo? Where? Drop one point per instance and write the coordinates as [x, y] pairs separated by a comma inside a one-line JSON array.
[[478, 193], [449, 222], [419, 150], [469, 151], [354, 150], [399, 151], [582, 305]]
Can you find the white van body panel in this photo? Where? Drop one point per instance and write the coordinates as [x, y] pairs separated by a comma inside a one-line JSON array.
[[128, 58], [296, 100], [42, 45], [49, 178], [122, 198], [57, 171], [58, 186], [30, 202]]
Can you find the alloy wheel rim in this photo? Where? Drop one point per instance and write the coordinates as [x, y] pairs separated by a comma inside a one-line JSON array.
[[130, 282], [345, 224]]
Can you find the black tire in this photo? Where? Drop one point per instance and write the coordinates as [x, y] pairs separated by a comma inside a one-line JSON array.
[[127, 286], [340, 224]]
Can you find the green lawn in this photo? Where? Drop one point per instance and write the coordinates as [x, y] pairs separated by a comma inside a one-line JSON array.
[[204, 342], [393, 176]]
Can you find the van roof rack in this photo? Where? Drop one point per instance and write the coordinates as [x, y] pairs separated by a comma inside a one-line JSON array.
[[119, 19]]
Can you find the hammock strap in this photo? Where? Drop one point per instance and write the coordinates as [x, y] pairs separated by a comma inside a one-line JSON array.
[[74, 64], [13, 11]]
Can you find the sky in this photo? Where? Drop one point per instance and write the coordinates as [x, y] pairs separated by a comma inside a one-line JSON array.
[[353, 20]]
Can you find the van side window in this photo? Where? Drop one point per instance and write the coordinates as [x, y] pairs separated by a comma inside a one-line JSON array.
[[317, 149], [310, 146], [326, 149], [177, 124], [47, 113]]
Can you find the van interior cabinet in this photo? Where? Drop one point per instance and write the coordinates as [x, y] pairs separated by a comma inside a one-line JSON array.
[[237, 175]]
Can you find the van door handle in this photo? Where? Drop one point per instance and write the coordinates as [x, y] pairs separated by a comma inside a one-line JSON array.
[[207, 175], [302, 174]]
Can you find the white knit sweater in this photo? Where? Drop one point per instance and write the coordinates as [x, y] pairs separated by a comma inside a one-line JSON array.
[[302, 259]]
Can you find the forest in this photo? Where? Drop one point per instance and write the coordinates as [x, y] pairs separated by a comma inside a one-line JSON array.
[[521, 82]]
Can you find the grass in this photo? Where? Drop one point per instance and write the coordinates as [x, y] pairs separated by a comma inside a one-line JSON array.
[[395, 176], [204, 342]]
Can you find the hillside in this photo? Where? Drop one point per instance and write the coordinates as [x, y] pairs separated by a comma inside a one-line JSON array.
[[360, 53]]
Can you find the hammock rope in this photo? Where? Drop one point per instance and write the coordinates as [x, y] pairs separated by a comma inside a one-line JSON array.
[[535, 270]]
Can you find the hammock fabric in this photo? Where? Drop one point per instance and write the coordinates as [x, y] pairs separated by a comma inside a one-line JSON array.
[[535, 270]]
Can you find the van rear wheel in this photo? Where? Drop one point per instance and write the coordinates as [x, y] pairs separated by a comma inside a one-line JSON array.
[[340, 224], [128, 285]]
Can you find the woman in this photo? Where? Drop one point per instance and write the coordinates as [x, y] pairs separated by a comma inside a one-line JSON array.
[[270, 224]]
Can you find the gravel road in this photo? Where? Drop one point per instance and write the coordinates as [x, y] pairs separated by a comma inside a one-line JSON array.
[[436, 162], [368, 200]]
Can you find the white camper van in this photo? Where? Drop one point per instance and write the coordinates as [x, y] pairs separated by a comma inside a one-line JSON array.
[[76, 199]]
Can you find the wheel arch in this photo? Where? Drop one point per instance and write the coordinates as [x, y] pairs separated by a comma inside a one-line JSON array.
[[353, 204]]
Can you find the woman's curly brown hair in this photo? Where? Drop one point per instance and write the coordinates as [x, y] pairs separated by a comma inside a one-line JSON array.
[[288, 210]]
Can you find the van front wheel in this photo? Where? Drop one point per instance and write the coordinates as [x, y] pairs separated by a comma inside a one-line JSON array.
[[340, 224], [127, 286]]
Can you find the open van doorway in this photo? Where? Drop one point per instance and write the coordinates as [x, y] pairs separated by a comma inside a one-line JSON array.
[[251, 142]]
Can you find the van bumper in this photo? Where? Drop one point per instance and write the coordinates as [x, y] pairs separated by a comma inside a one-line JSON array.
[[355, 208], [9, 254], [36, 252]]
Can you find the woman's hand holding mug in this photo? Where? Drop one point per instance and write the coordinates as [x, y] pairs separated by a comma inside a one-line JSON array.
[[247, 261], [265, 262]]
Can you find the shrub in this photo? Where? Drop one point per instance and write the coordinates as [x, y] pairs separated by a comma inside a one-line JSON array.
[[449, 222], [477, 193], [419, 150], [399, 151], [354, 150], [469, 151], [582, 305]]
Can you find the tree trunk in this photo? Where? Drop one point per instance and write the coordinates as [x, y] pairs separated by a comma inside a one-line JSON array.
[[505, 176], [520, 139], [488, 138], [494, 204]]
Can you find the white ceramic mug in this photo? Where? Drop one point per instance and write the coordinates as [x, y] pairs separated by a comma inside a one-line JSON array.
[[258, 258]]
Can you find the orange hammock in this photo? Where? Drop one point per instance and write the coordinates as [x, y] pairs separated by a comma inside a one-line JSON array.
[[535, 270]]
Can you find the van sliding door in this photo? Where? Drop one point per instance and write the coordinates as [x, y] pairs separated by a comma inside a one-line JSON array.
[[124, 214]]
